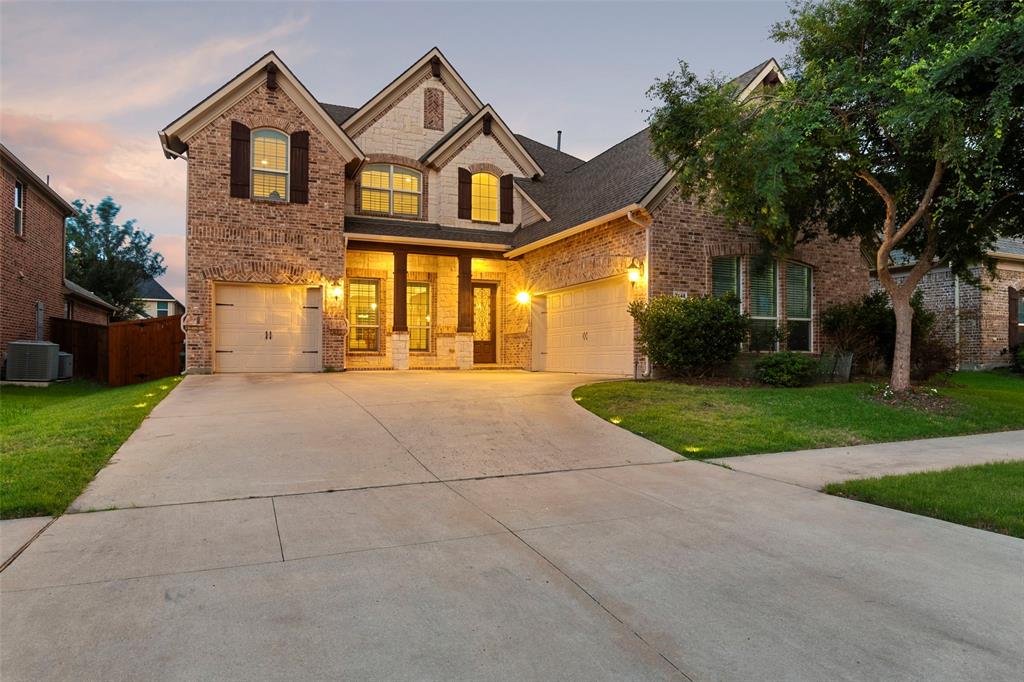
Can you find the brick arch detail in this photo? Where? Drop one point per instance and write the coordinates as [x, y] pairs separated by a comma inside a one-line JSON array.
[[398, 160], [486, 168], [264, 272], [257, 121]]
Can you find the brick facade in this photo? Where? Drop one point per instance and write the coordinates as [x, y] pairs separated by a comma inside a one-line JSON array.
[[246, 240], [686, 237], [32, 265], [86, 312], [983, 315]]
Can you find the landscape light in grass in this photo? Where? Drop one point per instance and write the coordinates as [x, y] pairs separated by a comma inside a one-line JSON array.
[[139, 405], [692, 448], [615, 420]]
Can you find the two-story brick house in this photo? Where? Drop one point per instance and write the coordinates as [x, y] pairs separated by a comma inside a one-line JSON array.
[[32, 285], [419, 231]]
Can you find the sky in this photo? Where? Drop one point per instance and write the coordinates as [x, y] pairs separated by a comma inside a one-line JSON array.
[[84, 87]]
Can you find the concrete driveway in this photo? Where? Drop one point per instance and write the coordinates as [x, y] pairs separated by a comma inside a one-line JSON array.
[[483, 527]]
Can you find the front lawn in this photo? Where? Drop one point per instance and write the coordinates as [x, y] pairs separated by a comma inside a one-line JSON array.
[[701, 422], [54, 440], [988, 496]]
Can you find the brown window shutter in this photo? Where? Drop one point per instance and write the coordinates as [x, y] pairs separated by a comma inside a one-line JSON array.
[[465, 194], [239, 160], [1014, 331], [300, 167], [505, 197]]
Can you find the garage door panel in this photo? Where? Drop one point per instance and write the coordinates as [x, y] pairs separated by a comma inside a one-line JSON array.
[[589, 329], [246, 313]]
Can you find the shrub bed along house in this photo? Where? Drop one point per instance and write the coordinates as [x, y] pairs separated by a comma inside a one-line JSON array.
[[786, 369]]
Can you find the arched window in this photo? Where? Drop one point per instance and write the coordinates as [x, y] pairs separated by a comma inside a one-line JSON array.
[[269, 165], [485, 197], [391, 190]]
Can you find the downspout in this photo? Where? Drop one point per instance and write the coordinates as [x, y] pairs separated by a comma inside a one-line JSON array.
[[956, 318], [642, 368]]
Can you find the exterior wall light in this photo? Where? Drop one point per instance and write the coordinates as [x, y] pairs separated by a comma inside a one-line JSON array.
[[336, 291], [523, 297], [633, 271]]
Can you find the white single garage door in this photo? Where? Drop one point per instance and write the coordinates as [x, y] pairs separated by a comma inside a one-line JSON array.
[[266, 328], [589, 329]]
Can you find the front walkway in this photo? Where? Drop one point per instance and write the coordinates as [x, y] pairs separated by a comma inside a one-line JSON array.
[[663, 570], [816, 468]]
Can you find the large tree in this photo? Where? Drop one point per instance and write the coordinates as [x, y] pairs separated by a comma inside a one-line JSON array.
[[110, 260], [900, 122]]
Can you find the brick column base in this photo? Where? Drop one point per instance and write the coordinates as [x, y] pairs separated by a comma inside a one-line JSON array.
[[464, 350], [400, 350]]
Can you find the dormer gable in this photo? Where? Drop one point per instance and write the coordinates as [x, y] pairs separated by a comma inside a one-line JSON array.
[[269, 71], [431, 68], [485, 122], [766, 75]]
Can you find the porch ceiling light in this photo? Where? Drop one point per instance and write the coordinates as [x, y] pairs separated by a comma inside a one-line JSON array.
[[633, 270], [523, 297]]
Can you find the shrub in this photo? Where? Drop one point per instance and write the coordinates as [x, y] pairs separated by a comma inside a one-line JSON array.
[[690, 336], [867, 328], [1017, 358], [786, 369]]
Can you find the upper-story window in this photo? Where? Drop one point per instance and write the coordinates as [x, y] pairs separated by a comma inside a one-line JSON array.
[[269, 165], [162, 308], [390, 190], [485, 197], [19, 209]]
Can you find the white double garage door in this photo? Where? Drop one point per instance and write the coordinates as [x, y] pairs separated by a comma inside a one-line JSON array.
[[267, 328], [277, 328]]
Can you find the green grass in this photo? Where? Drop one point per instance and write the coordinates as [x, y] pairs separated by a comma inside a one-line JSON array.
[[988, 496], [55, 439], [701, 421]]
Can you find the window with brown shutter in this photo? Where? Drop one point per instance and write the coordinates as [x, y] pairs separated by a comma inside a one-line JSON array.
[[465, 194], [506, 198], [1016, 321], [239, 160], [300, 167]]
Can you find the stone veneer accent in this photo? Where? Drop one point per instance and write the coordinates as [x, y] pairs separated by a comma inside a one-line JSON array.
[[245, 240]]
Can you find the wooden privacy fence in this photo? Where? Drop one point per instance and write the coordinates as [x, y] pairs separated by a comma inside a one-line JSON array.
[[124, 352]]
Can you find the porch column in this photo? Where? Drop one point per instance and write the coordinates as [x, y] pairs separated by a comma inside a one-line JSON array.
[[464, 331], [400, 323]]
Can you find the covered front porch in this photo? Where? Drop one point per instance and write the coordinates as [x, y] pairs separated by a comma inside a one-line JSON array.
[[421, 306]]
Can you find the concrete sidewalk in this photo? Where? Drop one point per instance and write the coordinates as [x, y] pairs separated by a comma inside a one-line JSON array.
[[816, 468]]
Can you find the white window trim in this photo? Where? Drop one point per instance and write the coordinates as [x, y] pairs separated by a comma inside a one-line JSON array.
[[166, 310], [287, 172], [391, 192], [19, 208], [739, 278]]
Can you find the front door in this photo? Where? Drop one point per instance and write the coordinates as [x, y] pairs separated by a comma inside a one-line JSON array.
[[485, 348]]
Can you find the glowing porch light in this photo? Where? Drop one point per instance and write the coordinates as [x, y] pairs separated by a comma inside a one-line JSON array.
[[523, 297], [633, 271]]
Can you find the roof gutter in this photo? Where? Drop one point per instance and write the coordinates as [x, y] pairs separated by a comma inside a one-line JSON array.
[[623, 212], [1003, 255]]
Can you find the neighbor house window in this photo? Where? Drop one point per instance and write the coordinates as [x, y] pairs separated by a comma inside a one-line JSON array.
[[391, 190], [364, 314], [764, 308], [161, 308], [418, 311], [798, 307], [725, 277], [269, 165], [19, 209], [485, 197]]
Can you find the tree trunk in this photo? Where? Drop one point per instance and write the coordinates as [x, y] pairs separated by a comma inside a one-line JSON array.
[[900, 379]]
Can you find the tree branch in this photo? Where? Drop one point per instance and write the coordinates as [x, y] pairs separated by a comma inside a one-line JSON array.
[[923, 205]]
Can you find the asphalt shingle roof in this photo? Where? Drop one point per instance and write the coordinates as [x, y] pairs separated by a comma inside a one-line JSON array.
[[550, 159], [747, 77], [1014, 245], [151, 289], [339, 112], [82, 292], [356, 225]]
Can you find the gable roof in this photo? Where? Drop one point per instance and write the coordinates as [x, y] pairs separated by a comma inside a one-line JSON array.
[[151, 290], [40, 185], [616, 178], [551, 159], [459, 88], [174, 135], [749, 80], [468, 125], [80, 292], [339, 112]]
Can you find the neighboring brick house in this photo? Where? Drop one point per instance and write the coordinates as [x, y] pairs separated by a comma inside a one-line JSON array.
[[419, 231], [157, 301], [980, 324], [32, 286]]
